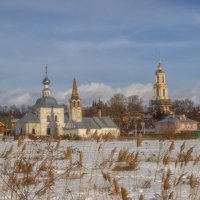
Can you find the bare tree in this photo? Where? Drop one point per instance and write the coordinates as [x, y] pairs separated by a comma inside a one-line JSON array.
[[134, 104], [183, 106]]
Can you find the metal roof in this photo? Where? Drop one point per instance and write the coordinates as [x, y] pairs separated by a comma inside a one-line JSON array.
[[29, 118], [176, 118], [46, 102], [96, 123]]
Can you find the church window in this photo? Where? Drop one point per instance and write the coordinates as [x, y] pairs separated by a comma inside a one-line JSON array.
[[157, 92], [157, 79], [164, 92], [78, 103], [163, 79], [56, 118], [74, 103], [33, 131], [48, 118]]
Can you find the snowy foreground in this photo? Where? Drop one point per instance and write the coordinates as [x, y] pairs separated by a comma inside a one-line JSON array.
[[100, 170]]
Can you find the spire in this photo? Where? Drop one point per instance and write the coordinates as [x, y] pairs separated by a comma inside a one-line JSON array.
[[46, 91], [75, 90], [160, 65], [46, 68], [46, 80]]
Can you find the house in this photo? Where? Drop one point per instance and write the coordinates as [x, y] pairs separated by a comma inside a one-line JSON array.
[[176, 124]]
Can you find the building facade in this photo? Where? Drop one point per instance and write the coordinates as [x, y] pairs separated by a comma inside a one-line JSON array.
[[176, 124], [160, 101], [87, 126], [46, 116]]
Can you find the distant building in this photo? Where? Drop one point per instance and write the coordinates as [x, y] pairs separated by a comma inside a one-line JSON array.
[[46, 117], [5, 124], [161, 102], [176, 124], [87, 126], [2, 127]]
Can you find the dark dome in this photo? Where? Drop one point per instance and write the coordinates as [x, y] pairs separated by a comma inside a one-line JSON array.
[[46, 102], [46, 81]]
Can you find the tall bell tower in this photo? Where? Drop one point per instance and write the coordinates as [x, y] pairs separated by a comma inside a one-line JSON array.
[[161, 99], [75, 104]]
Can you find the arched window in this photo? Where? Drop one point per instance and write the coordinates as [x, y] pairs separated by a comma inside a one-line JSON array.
[[78, 103], [157, 79], [33, 131], [164, 92], [74, 103], [48, 118], [163, 79], [157, 92], [56, 118]]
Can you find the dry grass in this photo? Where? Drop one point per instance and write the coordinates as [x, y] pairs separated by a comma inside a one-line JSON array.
[[29, 174]]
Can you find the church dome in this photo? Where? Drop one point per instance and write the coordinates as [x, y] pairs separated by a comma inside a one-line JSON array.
[[46, 102], [46, 81]]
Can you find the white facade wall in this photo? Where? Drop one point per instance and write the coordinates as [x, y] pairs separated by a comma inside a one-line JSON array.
[[27, 128], [43, 114]]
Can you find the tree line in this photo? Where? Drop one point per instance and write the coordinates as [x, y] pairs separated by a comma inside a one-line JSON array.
[[117, 106]]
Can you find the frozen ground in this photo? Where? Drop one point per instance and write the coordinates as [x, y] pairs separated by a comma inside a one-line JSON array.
[[94, 170]]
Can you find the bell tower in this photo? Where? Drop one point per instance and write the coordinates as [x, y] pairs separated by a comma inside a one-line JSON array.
[[75, 104], [161, 99]]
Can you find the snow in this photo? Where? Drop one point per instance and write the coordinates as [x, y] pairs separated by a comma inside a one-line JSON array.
[[84, 179]]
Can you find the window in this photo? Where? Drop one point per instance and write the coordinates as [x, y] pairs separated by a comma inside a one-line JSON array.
[[74, 103], [157, 79], [164, 92], [163, 79], [48, 118], [157, 92], [33, 131], [56, 118], [78, 103]]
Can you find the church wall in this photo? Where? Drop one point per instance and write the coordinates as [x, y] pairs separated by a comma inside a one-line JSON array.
[[26, 128], [113, 131], [45, 112]]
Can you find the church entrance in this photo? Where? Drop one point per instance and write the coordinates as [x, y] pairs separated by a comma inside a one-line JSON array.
[[48, 131]]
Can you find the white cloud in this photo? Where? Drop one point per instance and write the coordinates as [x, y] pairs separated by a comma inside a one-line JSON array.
[[87, 93], [92, 91], [190, 93], [18, 97]]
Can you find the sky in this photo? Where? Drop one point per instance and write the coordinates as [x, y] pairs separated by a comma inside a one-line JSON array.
[[109, 46]]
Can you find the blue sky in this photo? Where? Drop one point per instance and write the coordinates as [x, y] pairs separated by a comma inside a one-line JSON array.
[[109, 46]]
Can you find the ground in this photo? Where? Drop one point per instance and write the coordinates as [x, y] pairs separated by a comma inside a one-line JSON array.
[[96, 169]]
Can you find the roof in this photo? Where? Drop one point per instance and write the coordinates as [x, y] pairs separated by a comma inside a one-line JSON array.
[[46, 102], [29, 118], [96, 123], [176, 118]]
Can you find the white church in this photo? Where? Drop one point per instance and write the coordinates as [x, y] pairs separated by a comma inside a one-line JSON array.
[[47, 118]]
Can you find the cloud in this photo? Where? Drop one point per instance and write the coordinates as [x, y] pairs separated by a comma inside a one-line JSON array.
[[94, 91], [87, 92], [190, 93], [18, 97]]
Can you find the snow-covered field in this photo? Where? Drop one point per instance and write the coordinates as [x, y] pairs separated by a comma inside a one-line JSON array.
[[100, 170]]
